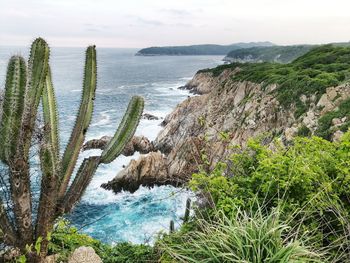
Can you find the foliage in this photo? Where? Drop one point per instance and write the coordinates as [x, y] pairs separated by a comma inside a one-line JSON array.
[[325, 122], [304, 131], [309, 74], [198, 49], [280, 54], [65, 239], [312, 176]]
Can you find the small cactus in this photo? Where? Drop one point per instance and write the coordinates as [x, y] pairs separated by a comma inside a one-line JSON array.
[[25, 88], [187, 210], [172, 226]]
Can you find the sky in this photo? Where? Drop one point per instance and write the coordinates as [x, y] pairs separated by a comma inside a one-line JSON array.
[[143, 23]]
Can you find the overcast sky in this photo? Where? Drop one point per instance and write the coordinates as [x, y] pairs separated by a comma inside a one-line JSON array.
[[141, 23]]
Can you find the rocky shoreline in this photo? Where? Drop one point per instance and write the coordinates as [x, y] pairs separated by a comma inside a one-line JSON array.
[[226, 112]]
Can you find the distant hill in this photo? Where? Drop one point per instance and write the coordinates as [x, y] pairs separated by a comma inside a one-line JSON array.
[[208, 49], [280, 54]]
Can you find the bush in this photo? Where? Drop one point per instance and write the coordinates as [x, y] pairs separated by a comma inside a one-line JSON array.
[[312, 175], [325, 122], [65, 239]]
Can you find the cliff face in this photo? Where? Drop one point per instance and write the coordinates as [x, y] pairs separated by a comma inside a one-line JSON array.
[[200, 129]]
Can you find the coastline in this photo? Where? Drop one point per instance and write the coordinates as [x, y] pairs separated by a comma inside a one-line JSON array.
[[222, 117]]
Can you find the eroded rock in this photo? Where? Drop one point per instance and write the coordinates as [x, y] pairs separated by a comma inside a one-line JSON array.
[[84, 255], [200, 129], [148, 170], [149, 116], [137, 144]]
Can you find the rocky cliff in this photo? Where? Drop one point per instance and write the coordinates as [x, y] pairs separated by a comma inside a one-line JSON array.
[[204, 129]]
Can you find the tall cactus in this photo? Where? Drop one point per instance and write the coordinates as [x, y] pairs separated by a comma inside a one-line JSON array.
[[25, 88], [12, 107]]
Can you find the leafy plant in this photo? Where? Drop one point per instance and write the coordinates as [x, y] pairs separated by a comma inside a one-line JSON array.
[[25, 87], [65, 239]]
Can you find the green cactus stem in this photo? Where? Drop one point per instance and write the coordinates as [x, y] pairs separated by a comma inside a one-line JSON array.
[[48, 194], [187, 210], [37, 70], [125, 131], [19, 165], [50, 115], [13, 107], [81, 181], [83, 120], [172, 226]]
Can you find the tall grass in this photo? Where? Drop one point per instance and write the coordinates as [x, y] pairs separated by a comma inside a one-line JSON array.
[[252, 237]]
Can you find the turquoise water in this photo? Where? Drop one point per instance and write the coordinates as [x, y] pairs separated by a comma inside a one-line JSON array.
[[102, 214]]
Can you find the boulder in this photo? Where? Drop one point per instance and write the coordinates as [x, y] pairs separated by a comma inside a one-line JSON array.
[[148, 116], [84, 255], [148, 170], [137, 144]]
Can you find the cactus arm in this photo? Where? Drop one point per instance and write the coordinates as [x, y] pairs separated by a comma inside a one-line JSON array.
[[49, 160], [9, 235], [48, 194], [19, 165], [50, 115], [37, 71], [80, 183], [83, 120], [12, 107], [125, 131]]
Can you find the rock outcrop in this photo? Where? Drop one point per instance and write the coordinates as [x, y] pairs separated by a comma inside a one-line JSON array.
[[149, 116], [137, 144], [200, 129], [148, 170]]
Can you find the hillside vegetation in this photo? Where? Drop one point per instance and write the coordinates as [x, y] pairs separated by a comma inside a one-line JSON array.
[[312, 73], [208, 49], [284, 205], [280, 54]]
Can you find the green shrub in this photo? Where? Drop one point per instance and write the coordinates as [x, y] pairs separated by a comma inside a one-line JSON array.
[[304, 131], [325, 122], [312, 174], [65, 239]]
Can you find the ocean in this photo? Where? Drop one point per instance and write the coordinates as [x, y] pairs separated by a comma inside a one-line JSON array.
[[106, 216]]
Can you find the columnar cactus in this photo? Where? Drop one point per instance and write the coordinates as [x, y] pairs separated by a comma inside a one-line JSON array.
[[25, 87]]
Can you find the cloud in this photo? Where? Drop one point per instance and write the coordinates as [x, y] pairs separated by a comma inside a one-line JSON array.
[[149, 22], [176, 12]]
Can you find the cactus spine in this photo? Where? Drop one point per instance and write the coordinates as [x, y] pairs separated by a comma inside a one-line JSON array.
[[28, 87]]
